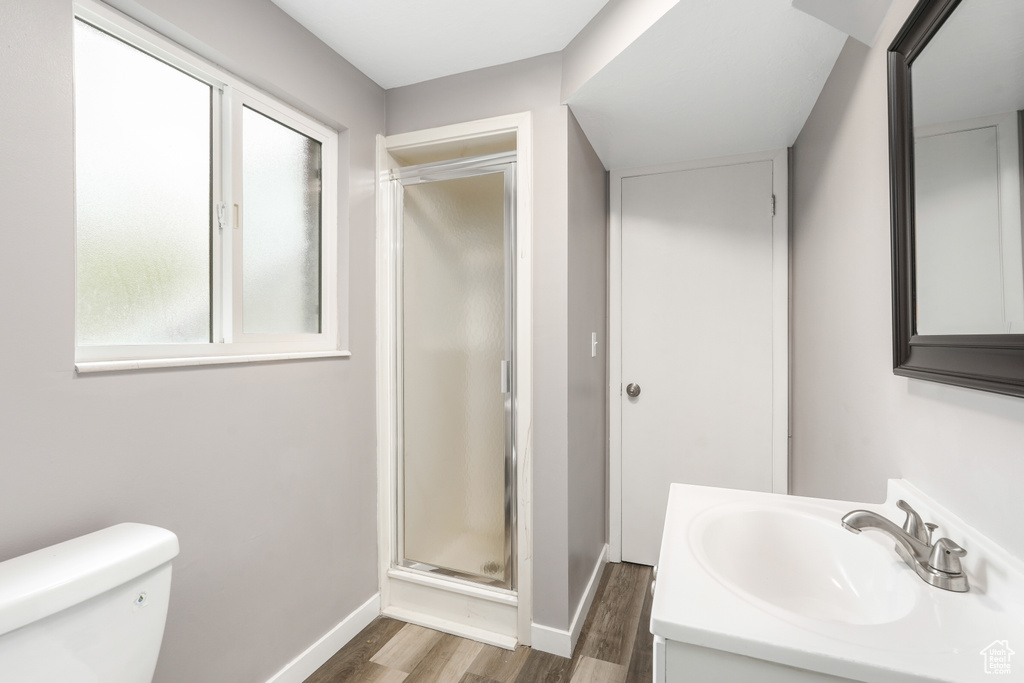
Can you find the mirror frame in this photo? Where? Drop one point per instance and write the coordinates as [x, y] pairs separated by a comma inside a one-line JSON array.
[[989, 362]]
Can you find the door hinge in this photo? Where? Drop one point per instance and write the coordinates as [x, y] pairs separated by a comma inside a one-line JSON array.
[[773, 205], [222, 211]]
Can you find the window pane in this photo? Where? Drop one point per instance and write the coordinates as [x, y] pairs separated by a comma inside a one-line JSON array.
[[281, 228], [142, 138]]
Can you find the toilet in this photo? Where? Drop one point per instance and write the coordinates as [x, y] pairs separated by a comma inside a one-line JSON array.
[[89, 610]]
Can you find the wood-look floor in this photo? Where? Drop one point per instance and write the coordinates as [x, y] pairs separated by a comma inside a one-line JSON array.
[[615, 646]]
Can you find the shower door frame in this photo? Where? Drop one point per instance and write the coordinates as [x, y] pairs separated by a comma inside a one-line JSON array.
[[440, 171], [486, 613]]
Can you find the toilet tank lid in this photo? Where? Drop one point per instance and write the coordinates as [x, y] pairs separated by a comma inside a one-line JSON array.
[[50, 580]]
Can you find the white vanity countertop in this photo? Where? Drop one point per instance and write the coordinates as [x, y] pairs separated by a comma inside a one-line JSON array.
[[940, 637]]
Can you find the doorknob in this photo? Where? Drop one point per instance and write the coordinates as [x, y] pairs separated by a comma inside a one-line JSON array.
[[633, 390]]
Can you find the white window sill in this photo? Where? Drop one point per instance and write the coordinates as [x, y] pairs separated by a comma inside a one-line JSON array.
[[147, 363]]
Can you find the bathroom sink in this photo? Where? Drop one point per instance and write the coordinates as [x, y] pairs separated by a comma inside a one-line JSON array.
[[775, 580], [803, 563]]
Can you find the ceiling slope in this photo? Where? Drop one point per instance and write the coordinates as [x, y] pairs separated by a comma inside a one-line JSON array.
[[650, 81], [709, 79], [611, 31]]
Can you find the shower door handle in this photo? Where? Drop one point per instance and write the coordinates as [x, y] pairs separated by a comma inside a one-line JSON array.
[[506, 380]]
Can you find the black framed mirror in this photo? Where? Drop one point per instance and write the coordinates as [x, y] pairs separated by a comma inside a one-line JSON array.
[[956, 152]]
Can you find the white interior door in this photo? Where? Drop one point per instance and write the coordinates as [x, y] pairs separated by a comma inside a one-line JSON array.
[[698, 320]]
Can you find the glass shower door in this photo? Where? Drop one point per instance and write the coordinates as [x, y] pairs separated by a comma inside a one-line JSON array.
[[454, 367]]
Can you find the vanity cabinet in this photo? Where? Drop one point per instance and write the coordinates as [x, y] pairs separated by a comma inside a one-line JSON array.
[[676, 662]]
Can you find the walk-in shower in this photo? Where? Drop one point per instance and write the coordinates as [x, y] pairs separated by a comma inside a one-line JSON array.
[[454, 254]]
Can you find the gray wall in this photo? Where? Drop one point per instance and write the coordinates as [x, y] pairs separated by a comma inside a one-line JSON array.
[[530, 85], [588, 376], [855, 424], [266, 472]]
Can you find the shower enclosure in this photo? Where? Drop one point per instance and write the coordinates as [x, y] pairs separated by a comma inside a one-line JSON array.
[[454, 247]]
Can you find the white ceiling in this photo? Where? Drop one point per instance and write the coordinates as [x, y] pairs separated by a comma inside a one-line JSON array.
[[862, 19], [398, 42], [709, 79]]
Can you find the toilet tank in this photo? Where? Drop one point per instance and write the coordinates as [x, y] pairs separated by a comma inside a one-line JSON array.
[[89, 610]]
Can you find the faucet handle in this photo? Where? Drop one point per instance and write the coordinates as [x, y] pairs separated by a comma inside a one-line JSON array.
[[914, 525], [946, 557]]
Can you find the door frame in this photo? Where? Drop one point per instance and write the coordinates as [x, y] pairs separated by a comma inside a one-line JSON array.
[[500, 618], [780, 325]]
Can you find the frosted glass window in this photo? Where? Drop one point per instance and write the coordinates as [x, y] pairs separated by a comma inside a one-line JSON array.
[[142, 136], [206, 209], [280, 228]]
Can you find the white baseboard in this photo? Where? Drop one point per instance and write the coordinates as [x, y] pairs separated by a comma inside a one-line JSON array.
[[588, 598], [562, 643], [551, 640], [300, 668]]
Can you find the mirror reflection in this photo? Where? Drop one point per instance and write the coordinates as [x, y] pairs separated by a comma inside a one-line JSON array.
[[968, 97]]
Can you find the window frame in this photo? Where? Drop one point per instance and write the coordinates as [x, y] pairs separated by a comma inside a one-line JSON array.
[[228, 342]]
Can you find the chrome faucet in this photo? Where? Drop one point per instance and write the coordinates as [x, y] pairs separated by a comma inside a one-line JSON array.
[[936, 563]]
